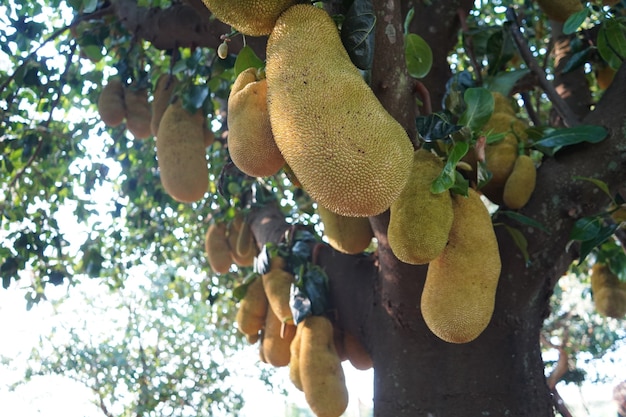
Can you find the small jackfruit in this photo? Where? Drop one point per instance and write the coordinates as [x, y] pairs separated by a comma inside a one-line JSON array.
[[252, 310], [111, 105], [217, 249], [345, 234], [521, 183], [420, 221], [277, 338], [182, 155], [460, 289], [163, 91], [356, 353], [277, 283], [250, 17], [346, 150], [251, 143], [321, 374], [609, 293], [241, 241], [500, 158], [560, 10], [294, 360], [138, 112]]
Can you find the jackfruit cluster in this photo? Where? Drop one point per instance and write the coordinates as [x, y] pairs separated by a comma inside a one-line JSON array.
[[228, 243], [609, 293], [118, 101]]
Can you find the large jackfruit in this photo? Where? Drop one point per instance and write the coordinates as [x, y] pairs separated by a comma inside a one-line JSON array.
[[420, 221], [348, 153], [321, 374], [250, 17], [609, 293], [111, 106], [182, 155], [251, 143], [460, 289], [345, 234]]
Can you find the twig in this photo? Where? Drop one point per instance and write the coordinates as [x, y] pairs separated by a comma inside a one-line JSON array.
[[424, 94], [468, 44], [568, 116], [528, 105]]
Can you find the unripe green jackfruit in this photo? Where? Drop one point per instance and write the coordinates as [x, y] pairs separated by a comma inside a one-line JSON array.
[[521, 183], [348, 153], [420, 221], [460, 289], [250, 17]]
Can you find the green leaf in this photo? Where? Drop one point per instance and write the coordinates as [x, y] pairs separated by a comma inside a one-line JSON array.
[[524, 220], [520, 241], [500, 49], [479, 107], [461, 184], [408, 19], [578, 59], [556, 139], [504, 81], [447, 178], [598, 183], [602, 236], [418, 55], [586, 228], [194, 96], [612, 43], [435, 126], [357, 33], [573, 22], [247, 59], [483, 175]]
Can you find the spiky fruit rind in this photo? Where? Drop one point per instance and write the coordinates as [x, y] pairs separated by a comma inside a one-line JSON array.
[[420, 221], [345, 234], [460, 289], [111, 106], [250, 17], [182, 155], [348, 153], [251, 143], [323, 380], [521, 183]]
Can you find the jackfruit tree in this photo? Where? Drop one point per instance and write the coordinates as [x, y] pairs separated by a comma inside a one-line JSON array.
[[393, 184]]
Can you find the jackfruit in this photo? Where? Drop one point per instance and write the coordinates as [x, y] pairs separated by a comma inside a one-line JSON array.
[[111, 105], [163, 91], [294, 360], [502, 104], [182, 155], [277, 338], [560, 10], [250, 17], [217, 249], [138, 112], [356, 353], [420, 221], [604, 76], [609, 293], [500, 158], [321, 374], [241, 241], [521, 183], [345, 234], [460, 289], [501, 122], [251, 143], [348, 153], [252, 309], [277, 283]]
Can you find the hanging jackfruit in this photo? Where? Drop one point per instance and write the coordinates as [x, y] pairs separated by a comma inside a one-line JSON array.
[[348, 153], [277, 338], [521, 183], [181, 154], [609, 293], [345, 234], [277, 283], [241, 241], [138, 112], [460, 289], [252, 309], [251, 143], [217, 249], [250, 17], [294, 360], [111, 105], [356, 353], [420, 221], [321, 374], [162, 95]]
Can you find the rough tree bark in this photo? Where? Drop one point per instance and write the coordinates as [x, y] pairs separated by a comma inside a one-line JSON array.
[[377, 297]]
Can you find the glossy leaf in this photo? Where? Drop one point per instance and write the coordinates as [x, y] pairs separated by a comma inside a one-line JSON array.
[[479, 107], [418, 55], [447, 177], [556, 139], [357, 33], [574, 21], [247, 58]]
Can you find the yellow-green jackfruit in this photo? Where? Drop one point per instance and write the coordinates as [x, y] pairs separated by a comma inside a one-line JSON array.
[[521, 183], [347, 151], [250, 17], [345, 234], [111, 106], [252, 309], [460, 289], [182, 155], [138, 112], [609, 293], [420, 221], [251, 143]]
